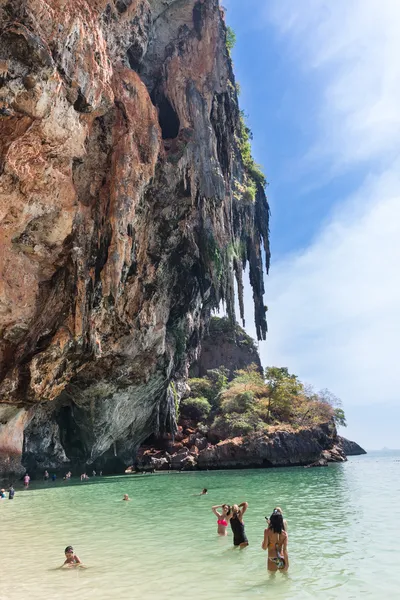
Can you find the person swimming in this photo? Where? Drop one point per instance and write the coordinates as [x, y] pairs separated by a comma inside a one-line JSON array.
[[223, 518], [71, 559], [275, 541], [237, 525], [126, 497], [202, 493]]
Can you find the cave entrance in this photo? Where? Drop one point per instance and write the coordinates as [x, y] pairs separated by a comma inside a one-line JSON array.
[[70, 435], [167, 116]]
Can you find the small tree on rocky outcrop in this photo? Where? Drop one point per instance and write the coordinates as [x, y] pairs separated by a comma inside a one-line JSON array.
[[253, 402]]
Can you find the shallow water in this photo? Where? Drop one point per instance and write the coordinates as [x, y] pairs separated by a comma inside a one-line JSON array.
[[163, 544]]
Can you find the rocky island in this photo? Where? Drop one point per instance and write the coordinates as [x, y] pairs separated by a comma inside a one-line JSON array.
[[130, 205], [233, 416]]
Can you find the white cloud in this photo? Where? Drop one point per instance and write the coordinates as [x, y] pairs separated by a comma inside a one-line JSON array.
[[353, 48], [334, 307]]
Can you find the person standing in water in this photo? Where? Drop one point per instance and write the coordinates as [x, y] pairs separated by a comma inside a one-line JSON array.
[[237, 525], [11, 493], [277, 509], [26, 481], [222, 518], [46, 476], [275, 541]]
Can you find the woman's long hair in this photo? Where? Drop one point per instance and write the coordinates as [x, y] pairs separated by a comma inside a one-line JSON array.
[[276, 523], [227, 509]]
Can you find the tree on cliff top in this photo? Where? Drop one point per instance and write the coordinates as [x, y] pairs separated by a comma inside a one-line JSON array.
[[253, 402]]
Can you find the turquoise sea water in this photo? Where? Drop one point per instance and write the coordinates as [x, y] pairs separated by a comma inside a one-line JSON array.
[[343, 521]]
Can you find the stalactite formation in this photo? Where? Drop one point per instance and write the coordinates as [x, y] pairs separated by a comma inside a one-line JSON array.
[[125, 218]]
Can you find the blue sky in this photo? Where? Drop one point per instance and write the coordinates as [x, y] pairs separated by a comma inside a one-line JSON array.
[[320, 82]]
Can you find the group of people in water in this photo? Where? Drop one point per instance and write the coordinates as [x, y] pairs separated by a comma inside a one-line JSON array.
[[11, 493], [275, 539]]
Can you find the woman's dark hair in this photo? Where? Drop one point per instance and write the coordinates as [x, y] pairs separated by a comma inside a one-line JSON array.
[[68, 549], [205, 489], [276, 522]]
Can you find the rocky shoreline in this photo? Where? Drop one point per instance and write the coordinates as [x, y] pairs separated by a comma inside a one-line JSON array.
[[316, 446]]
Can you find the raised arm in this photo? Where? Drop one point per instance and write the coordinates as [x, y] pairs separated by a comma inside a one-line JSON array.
[[216, 513], [264, 544], [243, 506]]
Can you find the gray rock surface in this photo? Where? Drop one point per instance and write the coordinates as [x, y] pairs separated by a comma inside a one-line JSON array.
[[350, 448]]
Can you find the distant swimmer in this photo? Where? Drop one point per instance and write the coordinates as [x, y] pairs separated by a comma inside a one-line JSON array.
[[2, 494], [237, 525], [11, 493], [94, 473], [84, 477], [26, 481], [126, 497], [71, 559], [202, 493], [222, 518], [275, 541]]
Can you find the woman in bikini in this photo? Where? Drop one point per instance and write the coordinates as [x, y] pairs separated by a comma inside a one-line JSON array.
[[222, 518], [275, 541], [237, 525]]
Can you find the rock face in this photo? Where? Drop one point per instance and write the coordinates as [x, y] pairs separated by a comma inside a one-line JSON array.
[[350, 448], [315, 446], [123, 221], [280, 449], [228, 345]]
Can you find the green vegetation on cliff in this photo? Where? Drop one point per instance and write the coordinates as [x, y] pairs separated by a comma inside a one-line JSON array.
[[257, 402]]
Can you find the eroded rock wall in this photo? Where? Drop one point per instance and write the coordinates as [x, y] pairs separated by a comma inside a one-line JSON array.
[[121, 221]]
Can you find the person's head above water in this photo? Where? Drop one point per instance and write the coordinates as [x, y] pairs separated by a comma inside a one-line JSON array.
[[204, 491], [68, 550], [226, 509], [126, 497], [276, 522]]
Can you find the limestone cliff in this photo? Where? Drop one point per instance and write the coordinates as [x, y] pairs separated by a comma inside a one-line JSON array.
[[225, 344], [124, 216]]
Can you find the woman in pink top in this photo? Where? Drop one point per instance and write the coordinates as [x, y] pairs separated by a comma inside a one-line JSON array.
[[222, 518], [26, 480]]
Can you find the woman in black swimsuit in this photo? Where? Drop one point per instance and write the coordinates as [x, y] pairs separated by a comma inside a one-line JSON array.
[[237, 525]]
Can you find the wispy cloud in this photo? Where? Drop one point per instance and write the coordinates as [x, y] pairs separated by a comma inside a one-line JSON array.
[[334, 308], [352, 47]]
